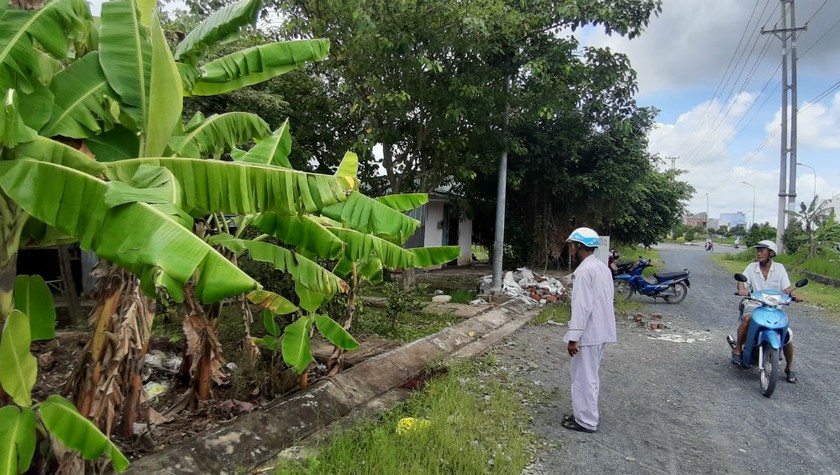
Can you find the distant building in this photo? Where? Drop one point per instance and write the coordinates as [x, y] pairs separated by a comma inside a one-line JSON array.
[[733, 220], [695, 220], [834, 203]]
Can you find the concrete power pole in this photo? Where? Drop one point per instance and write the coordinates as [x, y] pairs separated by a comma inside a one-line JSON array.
[[788, 155]]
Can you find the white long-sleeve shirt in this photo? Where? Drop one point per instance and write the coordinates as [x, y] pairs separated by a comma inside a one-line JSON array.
[[593, 315]]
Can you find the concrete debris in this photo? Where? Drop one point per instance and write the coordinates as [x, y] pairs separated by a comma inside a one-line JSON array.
[[442, 298], [525, 286]]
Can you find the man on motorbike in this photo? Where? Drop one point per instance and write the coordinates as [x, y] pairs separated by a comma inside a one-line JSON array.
[[764, 274]]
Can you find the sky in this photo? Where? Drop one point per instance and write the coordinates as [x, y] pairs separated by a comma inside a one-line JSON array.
[[716, 81]]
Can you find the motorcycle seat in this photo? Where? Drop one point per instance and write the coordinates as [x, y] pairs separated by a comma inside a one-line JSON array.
[[663, 276]]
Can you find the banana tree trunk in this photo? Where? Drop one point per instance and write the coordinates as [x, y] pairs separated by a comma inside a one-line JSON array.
[[204, 360], [335, 361], [107, 384]]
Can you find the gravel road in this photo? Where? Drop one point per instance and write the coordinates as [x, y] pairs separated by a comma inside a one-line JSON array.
[[671, 402]]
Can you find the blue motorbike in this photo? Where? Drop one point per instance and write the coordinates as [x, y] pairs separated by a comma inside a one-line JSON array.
[[766, 335], [670, 286]]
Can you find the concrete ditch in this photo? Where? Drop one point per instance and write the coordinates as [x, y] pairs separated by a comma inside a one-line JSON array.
[[250, 440]]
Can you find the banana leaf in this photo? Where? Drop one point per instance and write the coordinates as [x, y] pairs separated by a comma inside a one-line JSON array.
[[295, 346], [114, 145], [371, 269], [222, 27], [33, 298], [304, 271], [335, 333], [76, 432], [275, 303], [369, 216], [18, 368], [404, 202], [302, 232], [240, 188], [349, 166], [432, 256], [47, 150], [218, 134], [17, 439], [136, 236], [273, 150], [255, 65], [83, 100], [360, 246], [38, 104], [125, 53], [13, 130], [49, 27], [165, 99]]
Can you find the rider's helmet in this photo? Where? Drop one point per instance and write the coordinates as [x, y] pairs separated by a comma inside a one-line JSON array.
[[585, 236], [768, 244]]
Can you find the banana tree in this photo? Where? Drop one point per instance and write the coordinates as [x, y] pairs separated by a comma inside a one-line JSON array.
[[64, 192], [363, 235]]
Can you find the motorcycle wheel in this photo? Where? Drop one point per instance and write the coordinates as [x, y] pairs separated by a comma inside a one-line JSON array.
[[622, 290], [770, 374], [679, 292]]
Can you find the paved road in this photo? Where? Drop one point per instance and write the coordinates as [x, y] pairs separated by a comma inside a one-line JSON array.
[[672, 403]]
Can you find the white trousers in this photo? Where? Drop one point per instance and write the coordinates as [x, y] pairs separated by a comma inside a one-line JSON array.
[[586, 384]]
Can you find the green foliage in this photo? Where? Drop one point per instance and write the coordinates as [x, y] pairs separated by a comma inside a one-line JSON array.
[[33, 298], [760, 232], [402, 300], [478, 424]]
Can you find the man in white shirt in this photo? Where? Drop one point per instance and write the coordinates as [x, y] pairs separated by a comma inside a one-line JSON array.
[[591, 327], [764, 274]]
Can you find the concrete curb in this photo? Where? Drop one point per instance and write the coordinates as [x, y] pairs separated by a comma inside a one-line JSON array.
[[252, 439]]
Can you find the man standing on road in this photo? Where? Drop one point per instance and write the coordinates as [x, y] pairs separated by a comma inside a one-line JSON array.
[[591, 327], [763, 274]]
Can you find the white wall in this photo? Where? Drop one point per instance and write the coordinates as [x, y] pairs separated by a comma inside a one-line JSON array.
[[434, 215]]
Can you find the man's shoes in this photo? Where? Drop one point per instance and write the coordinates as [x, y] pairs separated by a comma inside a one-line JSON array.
[[736, 359], [573, 425]]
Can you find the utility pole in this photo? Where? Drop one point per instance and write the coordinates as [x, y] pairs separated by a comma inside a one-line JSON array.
[[788, 155], [673, 163]]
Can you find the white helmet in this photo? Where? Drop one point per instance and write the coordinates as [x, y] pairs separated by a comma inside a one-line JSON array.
[[585, 236], [767, 244]]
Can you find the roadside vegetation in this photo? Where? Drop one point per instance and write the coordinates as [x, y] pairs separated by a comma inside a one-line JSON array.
[[473, 419]]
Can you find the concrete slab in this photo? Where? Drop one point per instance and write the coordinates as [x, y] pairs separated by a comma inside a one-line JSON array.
[[254, 438]]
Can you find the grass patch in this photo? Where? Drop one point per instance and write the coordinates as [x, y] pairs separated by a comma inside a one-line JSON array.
[[462, 296], [477, 424], [404, 327], [558, 313]]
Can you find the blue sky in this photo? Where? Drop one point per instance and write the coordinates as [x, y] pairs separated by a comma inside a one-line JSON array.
[[715, 79]]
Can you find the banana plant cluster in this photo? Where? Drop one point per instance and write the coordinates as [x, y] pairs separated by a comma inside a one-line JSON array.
[[93, 150]]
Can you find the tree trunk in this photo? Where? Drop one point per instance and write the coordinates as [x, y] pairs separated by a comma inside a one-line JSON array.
[[203, 361], [334, 363], [107, 385]]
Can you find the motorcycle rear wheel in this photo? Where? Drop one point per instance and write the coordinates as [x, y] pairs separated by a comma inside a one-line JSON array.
[[622, 289], [770, 374], [680, 290]]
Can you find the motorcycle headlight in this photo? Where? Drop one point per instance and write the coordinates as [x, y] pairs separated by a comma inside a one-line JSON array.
[[773, 299]]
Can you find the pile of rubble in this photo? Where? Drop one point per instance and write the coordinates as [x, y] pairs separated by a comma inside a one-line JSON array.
[[523, 285]]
